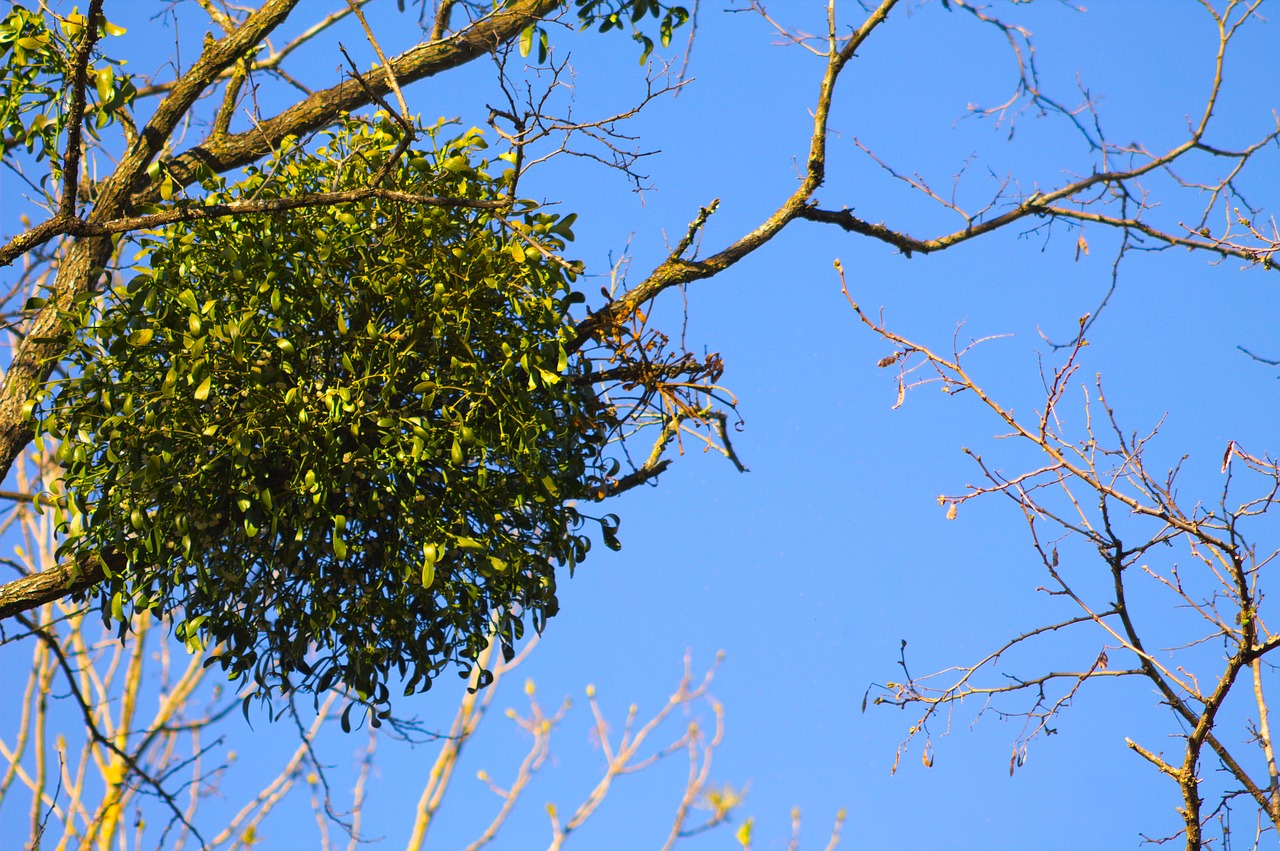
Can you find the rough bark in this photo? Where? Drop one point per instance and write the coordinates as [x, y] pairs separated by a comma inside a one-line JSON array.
[[29, 592], [226, 152]]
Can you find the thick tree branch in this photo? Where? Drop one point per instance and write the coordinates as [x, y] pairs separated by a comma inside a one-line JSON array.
[[201, 212], [36, 589], [425, 60], [79, 273]]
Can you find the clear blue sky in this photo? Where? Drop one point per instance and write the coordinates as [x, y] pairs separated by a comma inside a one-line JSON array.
[[811, 569]]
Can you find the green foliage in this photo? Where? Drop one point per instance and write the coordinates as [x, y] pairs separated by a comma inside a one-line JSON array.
[[607, 15], [35, 89], [338, 442]]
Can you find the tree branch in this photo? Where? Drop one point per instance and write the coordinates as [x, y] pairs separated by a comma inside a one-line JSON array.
[[424, 60], [36, 589]]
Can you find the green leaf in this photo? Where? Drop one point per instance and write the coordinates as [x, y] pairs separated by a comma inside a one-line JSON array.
[[563, 228], [456, 165], [105, 80], [526, 39], [141, 337], [429, 565], [202, 392], [170, 382], [611, 541], [73, 24]]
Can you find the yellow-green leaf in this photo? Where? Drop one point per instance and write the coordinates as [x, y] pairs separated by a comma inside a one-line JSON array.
[[428, 565], [105, 78], [456, 165]]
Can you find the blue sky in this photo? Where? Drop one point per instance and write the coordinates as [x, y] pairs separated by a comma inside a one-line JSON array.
[[811, 569]]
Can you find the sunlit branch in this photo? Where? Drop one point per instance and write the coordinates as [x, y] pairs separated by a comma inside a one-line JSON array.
[[57, 227]]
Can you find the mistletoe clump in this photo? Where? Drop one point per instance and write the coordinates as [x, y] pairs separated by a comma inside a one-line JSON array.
[[337, 441]]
